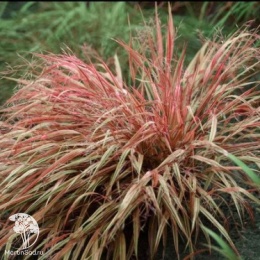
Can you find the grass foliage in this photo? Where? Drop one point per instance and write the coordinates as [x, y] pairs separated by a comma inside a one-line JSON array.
[[96, 158], [27, 27]]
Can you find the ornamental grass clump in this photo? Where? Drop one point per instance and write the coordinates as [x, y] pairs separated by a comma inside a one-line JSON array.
[[95, 159]]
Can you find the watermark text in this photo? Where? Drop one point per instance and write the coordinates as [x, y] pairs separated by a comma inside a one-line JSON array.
[[23, 252]]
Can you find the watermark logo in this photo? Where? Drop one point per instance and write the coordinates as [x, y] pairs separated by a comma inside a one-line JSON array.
[[27, 227]]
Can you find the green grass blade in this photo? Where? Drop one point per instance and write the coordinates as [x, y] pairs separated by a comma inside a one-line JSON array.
[[245, 168], [224, 249]]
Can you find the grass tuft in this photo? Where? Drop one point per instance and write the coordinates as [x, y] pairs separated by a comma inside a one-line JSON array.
[[95, 158]]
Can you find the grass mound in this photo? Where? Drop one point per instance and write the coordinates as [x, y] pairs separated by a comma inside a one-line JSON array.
[[91, 157]]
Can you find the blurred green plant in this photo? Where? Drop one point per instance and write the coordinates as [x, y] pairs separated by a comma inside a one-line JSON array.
[[2, 8]]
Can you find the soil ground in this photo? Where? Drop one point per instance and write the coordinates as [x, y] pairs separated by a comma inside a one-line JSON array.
[[247, 243]]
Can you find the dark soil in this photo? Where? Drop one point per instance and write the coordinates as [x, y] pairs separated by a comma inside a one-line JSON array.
[[246, 242]]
